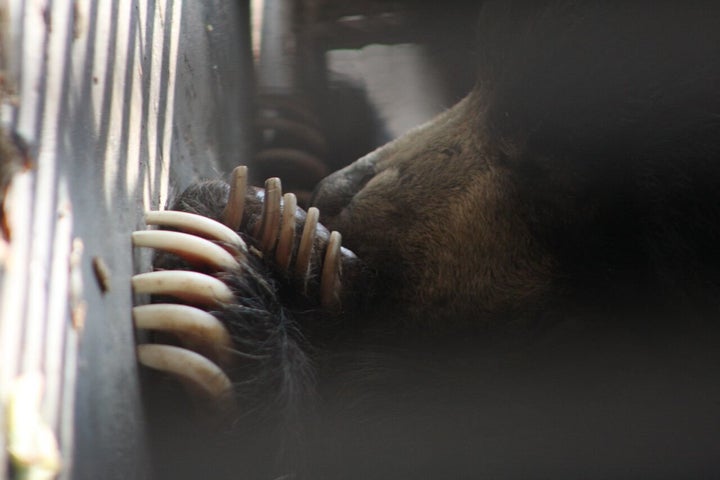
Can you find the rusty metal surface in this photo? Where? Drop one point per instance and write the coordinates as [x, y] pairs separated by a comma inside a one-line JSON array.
[[120, 104]]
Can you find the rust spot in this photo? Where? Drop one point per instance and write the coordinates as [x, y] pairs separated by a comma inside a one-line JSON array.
[[77, 21], [5, 228], [78, 314], [14, 157], [78, 306], [102, 273]]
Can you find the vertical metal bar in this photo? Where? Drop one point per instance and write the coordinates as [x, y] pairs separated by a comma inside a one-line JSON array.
[[276, 69]]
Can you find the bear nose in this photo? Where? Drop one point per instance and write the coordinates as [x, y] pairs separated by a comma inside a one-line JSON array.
[[336, 190]]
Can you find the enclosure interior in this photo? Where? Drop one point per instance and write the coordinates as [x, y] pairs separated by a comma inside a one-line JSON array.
[[110, 109]]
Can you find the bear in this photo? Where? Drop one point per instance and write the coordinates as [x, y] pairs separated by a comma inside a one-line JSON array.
[[543, 269], [568, 203], [555, 173]]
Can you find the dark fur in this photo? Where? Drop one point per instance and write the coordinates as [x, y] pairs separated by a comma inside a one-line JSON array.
[[547, 264], [583, 164]]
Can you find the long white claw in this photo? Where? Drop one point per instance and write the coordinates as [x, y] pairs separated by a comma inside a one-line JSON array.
[[302, 263], [233, 213], [283, 253], [196, 329], [270, 223], [330, 278], [194, 370], [198, 225], [192, 287], [190, 247]]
